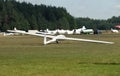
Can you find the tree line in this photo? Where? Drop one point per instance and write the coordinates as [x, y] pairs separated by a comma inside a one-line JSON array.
[[27, 16], [98, 24]]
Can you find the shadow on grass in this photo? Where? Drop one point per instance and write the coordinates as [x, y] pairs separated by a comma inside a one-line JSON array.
[[100, 63]]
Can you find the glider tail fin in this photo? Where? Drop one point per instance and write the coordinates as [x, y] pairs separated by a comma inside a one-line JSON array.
[[45, 40]]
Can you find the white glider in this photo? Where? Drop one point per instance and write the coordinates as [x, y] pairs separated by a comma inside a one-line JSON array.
[[58, 37]]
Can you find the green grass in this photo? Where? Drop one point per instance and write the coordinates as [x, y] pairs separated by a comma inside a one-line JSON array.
[[27, 56]]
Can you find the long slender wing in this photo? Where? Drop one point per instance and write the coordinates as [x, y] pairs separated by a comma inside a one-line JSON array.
[[23, 32], [88, 40], [61, 37]]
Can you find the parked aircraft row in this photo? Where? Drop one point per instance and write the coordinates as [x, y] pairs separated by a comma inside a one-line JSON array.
[[58, 31], [74, 31]]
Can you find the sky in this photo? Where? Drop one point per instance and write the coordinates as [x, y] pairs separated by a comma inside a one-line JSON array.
[[96, 9]]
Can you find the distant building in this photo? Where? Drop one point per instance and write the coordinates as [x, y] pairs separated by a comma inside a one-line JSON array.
[[117, 26]]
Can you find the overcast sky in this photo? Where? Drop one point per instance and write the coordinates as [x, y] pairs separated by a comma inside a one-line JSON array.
[[97, 9]]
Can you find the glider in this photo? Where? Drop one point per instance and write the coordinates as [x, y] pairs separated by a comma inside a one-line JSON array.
[[58, 37]]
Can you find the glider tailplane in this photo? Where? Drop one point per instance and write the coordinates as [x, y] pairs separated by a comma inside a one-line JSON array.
[[49, 41]]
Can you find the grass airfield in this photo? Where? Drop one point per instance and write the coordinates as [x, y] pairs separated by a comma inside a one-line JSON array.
[[27, 56]]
